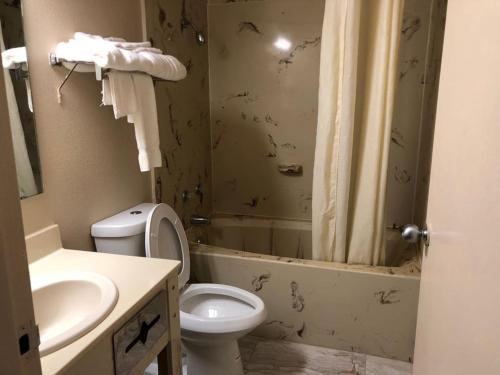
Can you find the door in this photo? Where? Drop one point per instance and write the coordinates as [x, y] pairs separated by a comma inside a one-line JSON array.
[[458, 328], [18, 337]]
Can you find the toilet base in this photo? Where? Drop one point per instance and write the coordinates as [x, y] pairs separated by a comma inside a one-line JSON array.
[[220, 359]]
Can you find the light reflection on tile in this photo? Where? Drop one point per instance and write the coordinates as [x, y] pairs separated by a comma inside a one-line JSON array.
[[264, 74]]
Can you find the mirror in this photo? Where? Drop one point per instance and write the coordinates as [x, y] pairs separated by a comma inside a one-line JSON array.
[[17, 86]]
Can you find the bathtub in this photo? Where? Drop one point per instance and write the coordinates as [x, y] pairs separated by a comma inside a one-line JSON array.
[[366, 309]]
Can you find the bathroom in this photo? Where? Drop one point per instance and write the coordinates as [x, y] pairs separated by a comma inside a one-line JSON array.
[[291, 179]]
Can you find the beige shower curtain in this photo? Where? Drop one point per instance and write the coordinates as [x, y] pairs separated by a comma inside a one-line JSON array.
[[358, 70]]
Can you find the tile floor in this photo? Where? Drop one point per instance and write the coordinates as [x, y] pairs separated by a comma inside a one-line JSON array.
[[269, 357]]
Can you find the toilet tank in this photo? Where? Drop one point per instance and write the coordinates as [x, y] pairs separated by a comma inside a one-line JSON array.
[[123, 233]]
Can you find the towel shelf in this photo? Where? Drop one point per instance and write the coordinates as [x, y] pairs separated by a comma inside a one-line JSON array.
[[100, 73]]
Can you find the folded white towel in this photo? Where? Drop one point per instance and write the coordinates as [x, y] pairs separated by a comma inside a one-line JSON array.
[[161, 66], [116, 42], [14, 57], [132, 95], [108, 54]]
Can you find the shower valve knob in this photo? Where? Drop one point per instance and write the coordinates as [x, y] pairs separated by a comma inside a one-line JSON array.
[[412, 233]]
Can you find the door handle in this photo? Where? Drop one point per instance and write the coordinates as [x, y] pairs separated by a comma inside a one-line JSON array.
[[412, 233]]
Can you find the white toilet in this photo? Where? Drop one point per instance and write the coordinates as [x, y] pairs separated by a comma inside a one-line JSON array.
[[213, 316]]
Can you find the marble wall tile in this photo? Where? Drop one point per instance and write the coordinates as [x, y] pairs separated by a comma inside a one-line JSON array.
[[183, 107], [263, 103], [431, 87], [284, 238], [413, 122], [230, 126], [355, 308]]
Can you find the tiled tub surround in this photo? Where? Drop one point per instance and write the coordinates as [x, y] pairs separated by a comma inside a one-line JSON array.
[[258, 112], [284, 238], [264, 74], [413, 122], [263, 105], [279, 237], [183, 108], [364, 309]]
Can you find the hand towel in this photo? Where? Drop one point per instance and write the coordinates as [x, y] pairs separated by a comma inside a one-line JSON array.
[[118, 91], [132, 95], [146, 123]]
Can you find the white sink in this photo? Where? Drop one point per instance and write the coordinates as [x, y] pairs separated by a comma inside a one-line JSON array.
[[68, 305]]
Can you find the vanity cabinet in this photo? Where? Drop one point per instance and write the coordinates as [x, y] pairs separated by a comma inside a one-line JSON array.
[[152, 329], [133, 341]]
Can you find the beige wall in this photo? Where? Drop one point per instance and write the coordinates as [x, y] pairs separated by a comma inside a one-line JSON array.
[[88, 159]]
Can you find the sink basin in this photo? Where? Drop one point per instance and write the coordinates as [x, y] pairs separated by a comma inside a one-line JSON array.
[[68, 305]]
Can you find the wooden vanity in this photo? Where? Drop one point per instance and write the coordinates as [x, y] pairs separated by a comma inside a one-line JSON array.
[[144, 323]]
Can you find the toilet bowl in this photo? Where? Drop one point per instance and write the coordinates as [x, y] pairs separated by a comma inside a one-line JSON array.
[[212, 316]]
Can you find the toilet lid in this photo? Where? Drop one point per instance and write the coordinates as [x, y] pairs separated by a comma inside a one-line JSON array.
[[166, 239]]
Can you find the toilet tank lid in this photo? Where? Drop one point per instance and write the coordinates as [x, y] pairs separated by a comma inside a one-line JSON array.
[[126, 223]]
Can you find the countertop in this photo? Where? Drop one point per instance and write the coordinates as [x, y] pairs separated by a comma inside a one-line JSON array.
[[137, 279]]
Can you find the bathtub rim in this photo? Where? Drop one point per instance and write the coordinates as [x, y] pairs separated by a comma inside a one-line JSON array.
[[204, 249]]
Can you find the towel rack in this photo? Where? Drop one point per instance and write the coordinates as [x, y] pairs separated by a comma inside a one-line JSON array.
[[100, 73]]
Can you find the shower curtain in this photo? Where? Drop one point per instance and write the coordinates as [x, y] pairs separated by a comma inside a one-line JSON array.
[[358, 70], [25, 177]]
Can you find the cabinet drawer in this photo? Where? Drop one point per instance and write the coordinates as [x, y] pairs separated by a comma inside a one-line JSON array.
[[136, 338]]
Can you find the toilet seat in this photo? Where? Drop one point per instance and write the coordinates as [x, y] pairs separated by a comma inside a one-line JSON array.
[[230, 309], [165, 238]]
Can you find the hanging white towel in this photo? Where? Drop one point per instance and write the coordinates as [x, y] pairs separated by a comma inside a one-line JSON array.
[[145, 121], [118, 91], [132, 95]]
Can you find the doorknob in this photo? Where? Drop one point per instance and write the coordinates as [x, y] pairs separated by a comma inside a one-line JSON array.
[[412, 233]]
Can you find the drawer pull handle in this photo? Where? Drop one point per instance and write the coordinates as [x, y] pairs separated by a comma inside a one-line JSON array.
[[143, 333]]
